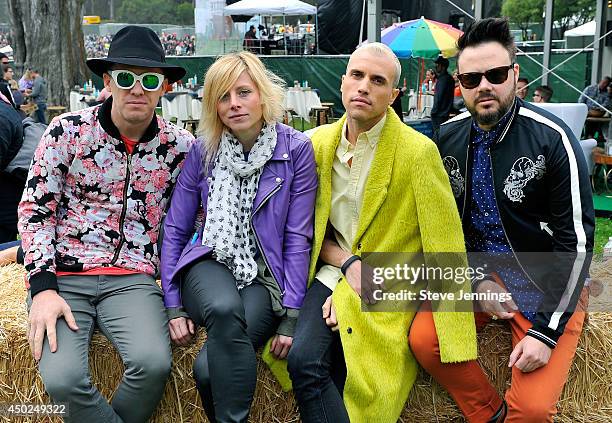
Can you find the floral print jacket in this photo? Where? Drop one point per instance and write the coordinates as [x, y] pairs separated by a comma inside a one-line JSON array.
[[89, 204]]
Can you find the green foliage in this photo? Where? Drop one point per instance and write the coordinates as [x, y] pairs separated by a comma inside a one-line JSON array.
[[567, 13], [185, 13], [571, 13], [156, 12], [603, 231], [523, 12]]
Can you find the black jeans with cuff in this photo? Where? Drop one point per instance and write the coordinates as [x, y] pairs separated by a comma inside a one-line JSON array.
[[237, 323], [316, 362]]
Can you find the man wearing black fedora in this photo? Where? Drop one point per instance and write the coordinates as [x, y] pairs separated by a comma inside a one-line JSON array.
[[89, 222]]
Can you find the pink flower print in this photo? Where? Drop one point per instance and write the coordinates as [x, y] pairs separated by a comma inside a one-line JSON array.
[[104, 158], [35, 170], [140, 185], [160, 179], [149, 163]]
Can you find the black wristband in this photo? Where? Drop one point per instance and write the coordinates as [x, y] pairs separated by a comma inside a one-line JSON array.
[[348, 262]]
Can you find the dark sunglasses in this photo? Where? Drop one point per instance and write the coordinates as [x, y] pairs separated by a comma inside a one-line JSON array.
[[494, 76]]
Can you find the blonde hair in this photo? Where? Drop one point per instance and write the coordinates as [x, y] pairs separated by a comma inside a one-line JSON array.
[[381, 49], [217, 82]]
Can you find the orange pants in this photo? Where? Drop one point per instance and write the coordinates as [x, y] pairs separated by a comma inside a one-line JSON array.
[[532, 397]]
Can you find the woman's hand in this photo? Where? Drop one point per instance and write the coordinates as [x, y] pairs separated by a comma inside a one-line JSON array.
[[281, 345], [182, 330]]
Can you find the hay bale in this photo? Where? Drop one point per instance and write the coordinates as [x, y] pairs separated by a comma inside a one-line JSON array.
[[587, 396], [20, 381]]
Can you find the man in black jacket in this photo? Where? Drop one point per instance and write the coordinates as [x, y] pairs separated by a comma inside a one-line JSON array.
[[522, 189], [11, 139], [443, 96], [5, 88]]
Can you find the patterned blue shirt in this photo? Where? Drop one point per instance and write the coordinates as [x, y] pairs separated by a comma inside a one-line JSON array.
[[484, 232]]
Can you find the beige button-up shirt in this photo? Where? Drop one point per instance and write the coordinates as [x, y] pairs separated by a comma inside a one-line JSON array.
[[350, 172]]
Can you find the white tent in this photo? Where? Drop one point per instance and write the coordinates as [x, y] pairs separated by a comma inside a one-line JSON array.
[[274, 8], [270, 8], [586, 30]]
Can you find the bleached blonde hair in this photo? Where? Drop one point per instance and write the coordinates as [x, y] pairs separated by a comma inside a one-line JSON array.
[[218, 81], [381, 49]]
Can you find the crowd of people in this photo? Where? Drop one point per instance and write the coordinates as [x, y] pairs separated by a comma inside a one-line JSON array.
[[98, 45], [266, 229], [30, 89], [178, 46]]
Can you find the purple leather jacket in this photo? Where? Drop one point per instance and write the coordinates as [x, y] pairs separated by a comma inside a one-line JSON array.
[[282, 217]]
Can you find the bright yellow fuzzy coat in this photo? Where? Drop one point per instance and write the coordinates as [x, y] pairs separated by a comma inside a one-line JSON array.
[[407, 207]]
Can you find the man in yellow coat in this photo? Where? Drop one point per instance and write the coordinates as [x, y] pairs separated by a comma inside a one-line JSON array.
[[382, 188]]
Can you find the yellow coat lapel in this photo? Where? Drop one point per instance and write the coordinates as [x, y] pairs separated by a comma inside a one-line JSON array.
[[375, 190], [325, 144]]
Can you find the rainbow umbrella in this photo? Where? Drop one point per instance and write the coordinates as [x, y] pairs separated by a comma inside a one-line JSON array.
[[422, 38]]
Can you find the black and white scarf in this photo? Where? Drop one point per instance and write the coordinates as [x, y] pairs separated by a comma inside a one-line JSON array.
[[230, 201]]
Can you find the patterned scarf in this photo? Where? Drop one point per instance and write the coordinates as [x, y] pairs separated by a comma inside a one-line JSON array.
[[230, 201]]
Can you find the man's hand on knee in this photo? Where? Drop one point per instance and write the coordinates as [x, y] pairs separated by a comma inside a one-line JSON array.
[[496, 309], [529, 354], [47, 307]]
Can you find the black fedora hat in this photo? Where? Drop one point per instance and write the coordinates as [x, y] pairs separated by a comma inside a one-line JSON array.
[[136, 46]]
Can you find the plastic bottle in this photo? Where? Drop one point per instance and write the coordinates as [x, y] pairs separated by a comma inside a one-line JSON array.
[[90, 84], [607, 249]]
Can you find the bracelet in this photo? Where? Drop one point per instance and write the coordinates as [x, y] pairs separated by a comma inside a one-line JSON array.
[[348, 262]]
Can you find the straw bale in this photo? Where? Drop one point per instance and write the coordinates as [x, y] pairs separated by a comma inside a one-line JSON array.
[[587, 396]]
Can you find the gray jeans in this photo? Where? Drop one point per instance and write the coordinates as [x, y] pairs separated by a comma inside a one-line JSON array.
[[129, 311]]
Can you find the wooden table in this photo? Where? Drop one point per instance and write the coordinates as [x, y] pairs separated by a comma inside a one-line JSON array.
[[29, 108], [302, 101], [191, 125], [598, 119], [602, 162], [320, 115]]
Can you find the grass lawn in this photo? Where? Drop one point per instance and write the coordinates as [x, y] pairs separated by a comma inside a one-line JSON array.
[[603, 230]]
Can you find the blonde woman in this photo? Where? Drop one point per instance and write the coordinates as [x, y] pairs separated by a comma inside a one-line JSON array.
[[26, 81], [242, 272]]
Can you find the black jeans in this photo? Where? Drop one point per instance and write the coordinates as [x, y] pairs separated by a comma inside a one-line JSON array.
[[316, 363], [237, 323], [8, 232]]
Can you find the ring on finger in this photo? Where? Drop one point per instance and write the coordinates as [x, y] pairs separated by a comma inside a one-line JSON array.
[[494, 316]]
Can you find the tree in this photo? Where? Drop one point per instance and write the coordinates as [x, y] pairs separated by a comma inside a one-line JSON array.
[[185, 13], [4, 12], [47, 36], [523, 12], [567, 13], [571, 13], [147, 12], [177, 12]]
